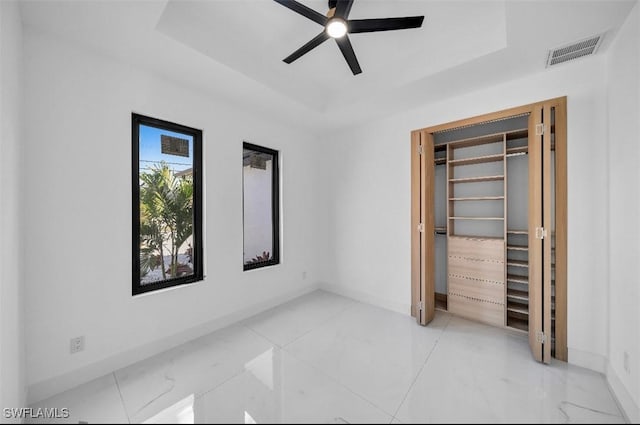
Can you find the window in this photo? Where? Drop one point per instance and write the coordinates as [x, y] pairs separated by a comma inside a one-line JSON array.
[[167, 204], [260, 206]]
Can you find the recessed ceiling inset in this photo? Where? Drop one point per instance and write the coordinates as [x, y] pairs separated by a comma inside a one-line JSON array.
[[337, 25], [575, 50]]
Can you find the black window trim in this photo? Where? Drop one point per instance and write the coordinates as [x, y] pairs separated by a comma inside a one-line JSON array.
[[198, 248], [275, 206]]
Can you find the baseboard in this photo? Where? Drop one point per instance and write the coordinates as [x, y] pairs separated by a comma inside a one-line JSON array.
[[625, 401], [44, 389], [588, 360], [365, 297]]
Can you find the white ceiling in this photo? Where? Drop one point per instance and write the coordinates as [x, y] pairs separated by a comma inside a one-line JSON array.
[[233, 49]]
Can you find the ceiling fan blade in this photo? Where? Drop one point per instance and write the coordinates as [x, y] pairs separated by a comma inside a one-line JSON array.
[[347, 51], [315, 42], [304, 11], [343, 8], [384, 24]]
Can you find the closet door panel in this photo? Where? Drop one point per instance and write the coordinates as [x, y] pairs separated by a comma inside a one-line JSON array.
[[415, 221], [427, 218], [547, 242], [535, 244]]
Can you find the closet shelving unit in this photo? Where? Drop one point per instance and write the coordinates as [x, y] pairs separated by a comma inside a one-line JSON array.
[[476, 249], [440, 229], [517, 280], [472, 231], [517, 264], [487, 272]]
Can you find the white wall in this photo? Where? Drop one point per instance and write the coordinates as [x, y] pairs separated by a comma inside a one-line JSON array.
[[12, 364], [370, 183], [623, 97], [78, 210]]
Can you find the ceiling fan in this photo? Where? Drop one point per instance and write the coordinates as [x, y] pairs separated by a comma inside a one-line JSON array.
[[337, 25]]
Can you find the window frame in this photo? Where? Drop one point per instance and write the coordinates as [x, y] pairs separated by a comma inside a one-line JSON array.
[[275, 206], [198, 267]]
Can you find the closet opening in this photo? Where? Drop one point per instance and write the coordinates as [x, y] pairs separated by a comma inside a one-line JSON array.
[[489, 222]]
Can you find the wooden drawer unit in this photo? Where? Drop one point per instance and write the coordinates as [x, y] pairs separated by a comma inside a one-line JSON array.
[[478, 269], [477, 248], [477, 289], [476, 279], [482, 311]]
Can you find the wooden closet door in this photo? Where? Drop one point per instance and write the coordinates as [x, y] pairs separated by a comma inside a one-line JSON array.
[[422, 227], [535, 244], [427, 242], [547, 241], [540, 209]]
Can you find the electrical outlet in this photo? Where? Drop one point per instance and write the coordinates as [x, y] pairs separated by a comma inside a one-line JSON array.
[[304, 275], [626, 363], [77, 344]]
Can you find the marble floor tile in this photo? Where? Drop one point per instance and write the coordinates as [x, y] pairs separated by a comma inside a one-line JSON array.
[[289, 321], [324, 358], [374, 352], [156, 383], [477, 373], [278, 388], [97, 401]]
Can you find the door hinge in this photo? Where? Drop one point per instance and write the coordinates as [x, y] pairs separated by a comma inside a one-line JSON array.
[[420, 150], [539, 129], [541, 337], [420, 306], [421, 227], [541, 233]]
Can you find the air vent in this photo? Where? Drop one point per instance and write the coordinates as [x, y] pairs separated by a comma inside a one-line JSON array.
[[573, 51]]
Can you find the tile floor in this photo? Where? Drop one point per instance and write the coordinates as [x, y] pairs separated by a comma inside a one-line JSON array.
[[324, 358]]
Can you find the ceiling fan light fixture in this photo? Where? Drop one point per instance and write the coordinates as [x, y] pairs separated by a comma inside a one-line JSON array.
[[336, 28], [336, 24]]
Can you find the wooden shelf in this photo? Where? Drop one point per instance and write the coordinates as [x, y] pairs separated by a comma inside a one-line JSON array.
[[518, 295], [477, 160], [477, 179], [440, 229], [517, 232], [518, 247], [521, 133], [518, 309], [511, 155], [476, 218], [440, 161], [518, 150], [478, 140], [478, 198], [478, 238], [518, 278], [518, 263]]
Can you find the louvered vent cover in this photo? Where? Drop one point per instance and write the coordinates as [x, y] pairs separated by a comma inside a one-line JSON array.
[[574, 51]]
